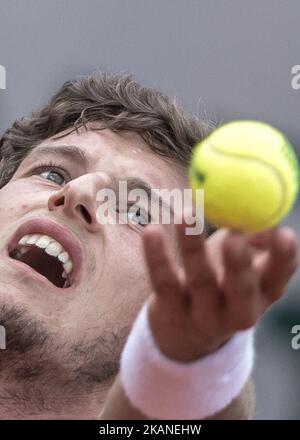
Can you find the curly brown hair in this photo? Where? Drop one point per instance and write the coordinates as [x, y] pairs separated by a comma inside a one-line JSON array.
[[120, 103]]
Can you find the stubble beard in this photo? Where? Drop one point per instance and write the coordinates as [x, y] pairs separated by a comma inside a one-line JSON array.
[[41, 374]]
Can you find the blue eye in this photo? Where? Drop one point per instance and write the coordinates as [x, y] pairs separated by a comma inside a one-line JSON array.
[[54, 176], [138, 216]]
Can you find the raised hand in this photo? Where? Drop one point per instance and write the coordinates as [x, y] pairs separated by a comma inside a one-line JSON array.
[[224, 284]]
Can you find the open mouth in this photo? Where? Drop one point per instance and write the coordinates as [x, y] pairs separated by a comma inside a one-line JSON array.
[[46, 256]]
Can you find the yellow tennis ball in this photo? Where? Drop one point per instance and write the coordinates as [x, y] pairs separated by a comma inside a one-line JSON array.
[[249, 173]]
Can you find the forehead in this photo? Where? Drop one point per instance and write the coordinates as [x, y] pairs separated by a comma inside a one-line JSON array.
[[122, 154]]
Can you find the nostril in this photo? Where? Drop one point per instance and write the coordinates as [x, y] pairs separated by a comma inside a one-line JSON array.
[[59, 202], [84, 212]]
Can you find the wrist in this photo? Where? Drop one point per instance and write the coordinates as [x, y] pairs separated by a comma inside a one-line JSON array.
[[166, 389], [173, 340]]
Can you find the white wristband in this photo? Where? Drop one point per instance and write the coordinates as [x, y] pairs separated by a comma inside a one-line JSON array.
[[162, 388]]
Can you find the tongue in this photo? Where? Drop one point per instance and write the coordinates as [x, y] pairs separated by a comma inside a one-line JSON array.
[[49, 267]]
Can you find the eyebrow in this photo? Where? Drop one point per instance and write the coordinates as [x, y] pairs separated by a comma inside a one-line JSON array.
[[72, 152]]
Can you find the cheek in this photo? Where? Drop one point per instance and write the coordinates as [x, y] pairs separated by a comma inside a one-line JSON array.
[[11, 202], [123, 284], [126, 252], [112, 300], [18, 197]]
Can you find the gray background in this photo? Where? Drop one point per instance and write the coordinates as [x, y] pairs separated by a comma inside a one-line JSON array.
[[223, 59]]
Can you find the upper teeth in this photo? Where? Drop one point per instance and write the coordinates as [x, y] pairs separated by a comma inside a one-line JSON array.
[[51, 247]]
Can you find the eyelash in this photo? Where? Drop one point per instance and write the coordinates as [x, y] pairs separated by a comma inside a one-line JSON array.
[[51, 165]]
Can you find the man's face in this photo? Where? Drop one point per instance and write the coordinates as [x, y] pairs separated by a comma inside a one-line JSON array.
[[54, 194]]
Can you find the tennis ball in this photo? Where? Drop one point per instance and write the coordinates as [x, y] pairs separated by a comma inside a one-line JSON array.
[[249, 173]]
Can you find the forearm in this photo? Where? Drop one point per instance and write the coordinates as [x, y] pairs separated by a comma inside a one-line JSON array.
[[118, 407], [241, 408]]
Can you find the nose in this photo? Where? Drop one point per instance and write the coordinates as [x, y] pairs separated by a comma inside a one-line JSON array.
[[77, 199]]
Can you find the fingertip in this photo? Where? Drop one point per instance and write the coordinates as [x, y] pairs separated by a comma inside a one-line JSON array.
[[285, 242], [153, 229], [187, 231], [236, 250], [263, 238]]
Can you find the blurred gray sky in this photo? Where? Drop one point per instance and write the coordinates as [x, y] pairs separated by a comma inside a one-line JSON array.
[[230, 58], [225, 59]]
